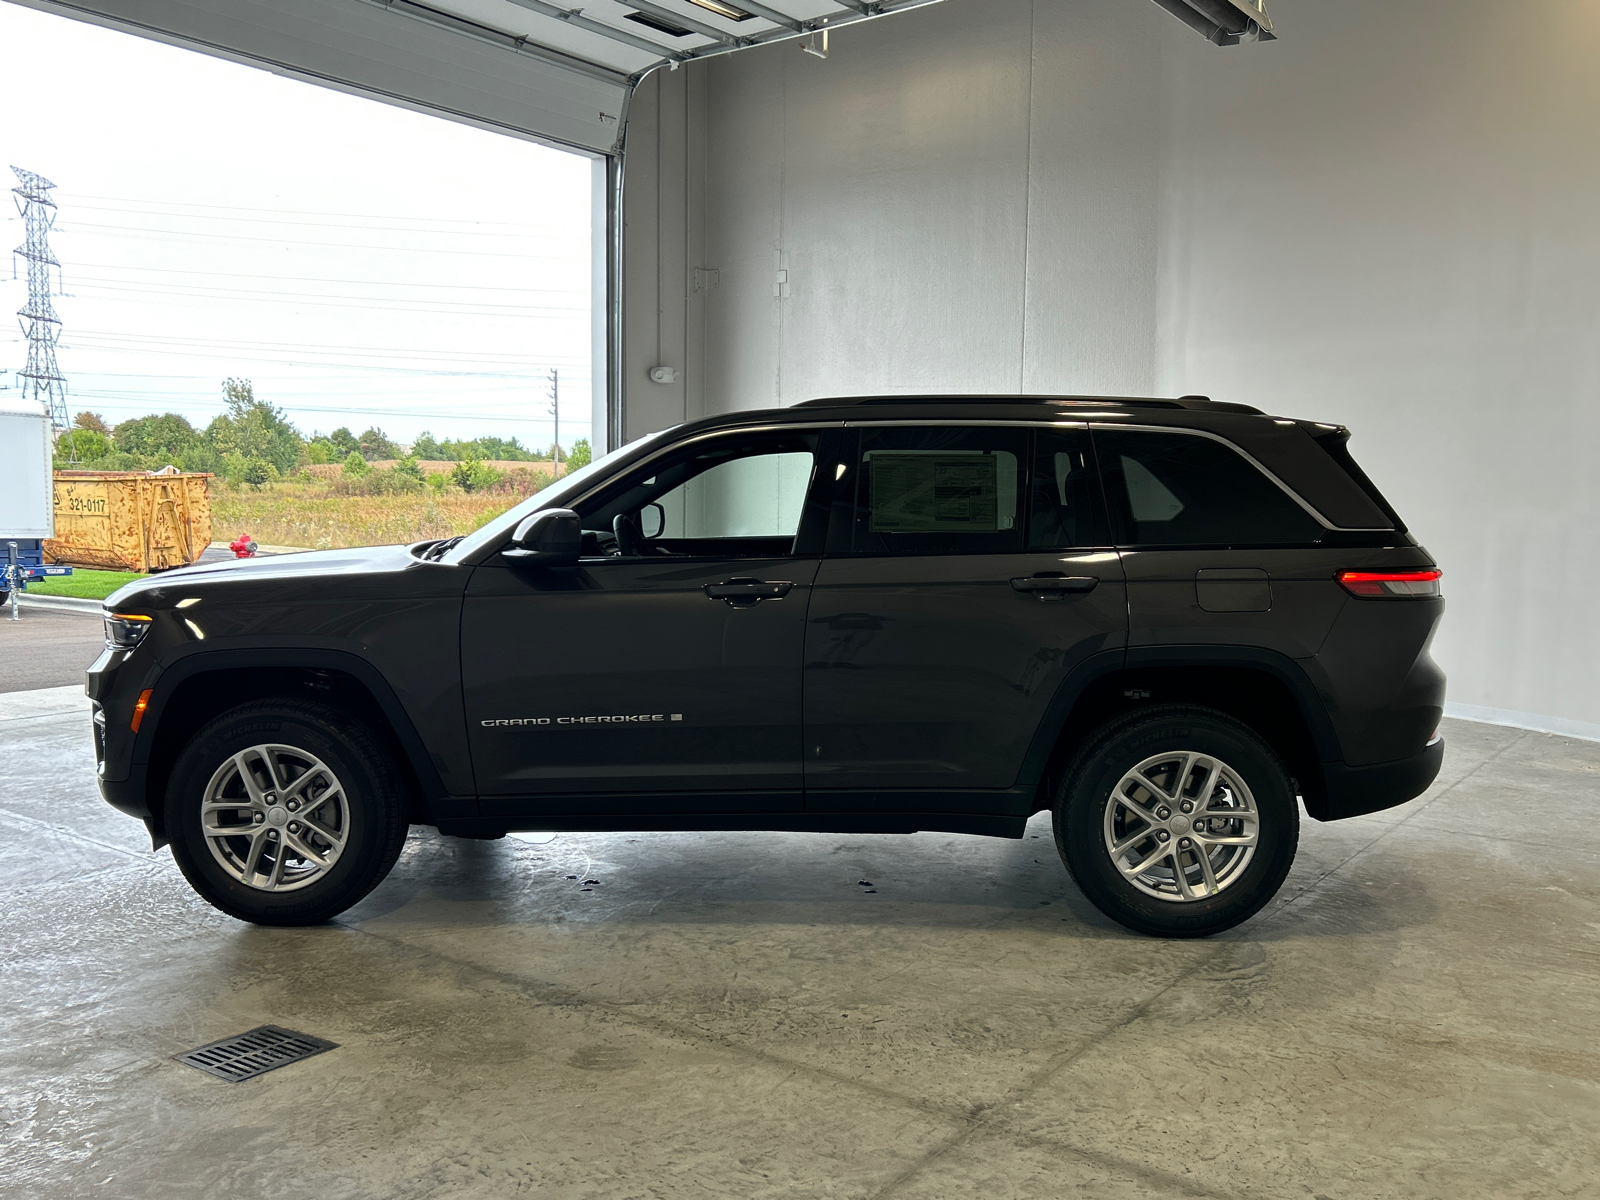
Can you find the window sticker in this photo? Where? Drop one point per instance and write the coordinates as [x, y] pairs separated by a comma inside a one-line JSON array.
[[922, 492]]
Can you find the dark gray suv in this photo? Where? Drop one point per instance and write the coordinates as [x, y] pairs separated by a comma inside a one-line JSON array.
[[1167, 622]]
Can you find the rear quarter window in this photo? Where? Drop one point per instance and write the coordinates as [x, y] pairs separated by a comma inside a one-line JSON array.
[[1177, 489]]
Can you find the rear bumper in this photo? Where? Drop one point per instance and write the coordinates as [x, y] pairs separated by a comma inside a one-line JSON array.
[[1355, 791]]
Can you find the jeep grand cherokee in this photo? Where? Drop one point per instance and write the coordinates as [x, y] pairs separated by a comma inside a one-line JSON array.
[[1169, 623]]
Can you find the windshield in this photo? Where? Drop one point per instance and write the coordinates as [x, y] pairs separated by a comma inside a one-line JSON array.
[[553, 496]]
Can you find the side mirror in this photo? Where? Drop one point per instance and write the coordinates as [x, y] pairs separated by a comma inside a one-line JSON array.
[[660, 515], [549, 538]]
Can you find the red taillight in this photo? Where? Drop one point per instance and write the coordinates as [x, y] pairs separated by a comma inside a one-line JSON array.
[[1390, 585], [139, 705]]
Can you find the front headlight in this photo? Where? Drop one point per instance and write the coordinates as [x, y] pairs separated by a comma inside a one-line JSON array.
[[124, 631]]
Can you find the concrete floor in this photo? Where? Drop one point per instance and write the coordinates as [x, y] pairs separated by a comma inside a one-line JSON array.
[[736, 1015]]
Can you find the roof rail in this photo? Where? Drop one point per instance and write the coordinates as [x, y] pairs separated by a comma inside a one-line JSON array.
[[1193, 402]]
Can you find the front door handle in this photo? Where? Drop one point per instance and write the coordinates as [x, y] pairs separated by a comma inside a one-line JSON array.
[[746, 593], [1056, 587]]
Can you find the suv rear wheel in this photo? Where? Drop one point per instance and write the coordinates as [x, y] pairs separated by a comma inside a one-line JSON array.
[[283, 812], [1177, 821]]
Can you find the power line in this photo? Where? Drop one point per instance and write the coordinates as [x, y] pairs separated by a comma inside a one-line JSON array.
[[266, 358], [359, 349], [186, 235], [430, 286], [115, 294], [300, 212], [288, 388], [509, 230], [210, 377]]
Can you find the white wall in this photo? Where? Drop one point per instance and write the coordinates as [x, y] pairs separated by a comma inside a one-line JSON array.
[[963, 198], [1386, 218]]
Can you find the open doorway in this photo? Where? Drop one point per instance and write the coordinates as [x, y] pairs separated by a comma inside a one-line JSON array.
[[365, 323]]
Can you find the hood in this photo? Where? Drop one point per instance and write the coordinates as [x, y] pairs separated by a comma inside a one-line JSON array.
[[356, 573]]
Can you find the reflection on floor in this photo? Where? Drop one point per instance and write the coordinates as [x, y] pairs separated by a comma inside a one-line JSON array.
[[740, 1015]]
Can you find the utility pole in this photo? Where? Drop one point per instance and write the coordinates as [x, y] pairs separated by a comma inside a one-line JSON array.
[[555, 411], [41, 378]]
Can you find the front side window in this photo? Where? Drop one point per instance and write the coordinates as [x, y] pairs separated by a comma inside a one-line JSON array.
[[1178, 489], [736, 496], [757, 496]]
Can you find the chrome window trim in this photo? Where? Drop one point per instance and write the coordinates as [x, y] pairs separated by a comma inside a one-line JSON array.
[[707, 436], [1082, 423], [1022, 421], [1254, 462]]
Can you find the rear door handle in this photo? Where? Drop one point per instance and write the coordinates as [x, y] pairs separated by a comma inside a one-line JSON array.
[[744, 593], [1056, 587]]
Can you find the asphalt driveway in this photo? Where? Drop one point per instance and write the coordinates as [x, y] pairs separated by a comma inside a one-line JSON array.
[[47, 647]]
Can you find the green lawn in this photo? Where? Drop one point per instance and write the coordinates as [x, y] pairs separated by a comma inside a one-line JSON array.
[[89, 585]]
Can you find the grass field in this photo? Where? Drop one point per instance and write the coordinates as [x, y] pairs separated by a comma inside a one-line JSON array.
[[321, 515], [82, 583]]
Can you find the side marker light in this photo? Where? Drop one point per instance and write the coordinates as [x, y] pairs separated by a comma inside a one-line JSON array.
[[139, 705]]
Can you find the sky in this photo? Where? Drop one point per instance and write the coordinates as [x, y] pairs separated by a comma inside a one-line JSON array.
[[359, 263]]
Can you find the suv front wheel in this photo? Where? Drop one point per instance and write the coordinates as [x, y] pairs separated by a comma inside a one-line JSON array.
[[283, 812], [1177, 821]]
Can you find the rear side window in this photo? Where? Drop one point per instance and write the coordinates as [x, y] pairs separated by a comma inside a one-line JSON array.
[[1064, 502], [986, 489], [931, 490], [1174, 489]]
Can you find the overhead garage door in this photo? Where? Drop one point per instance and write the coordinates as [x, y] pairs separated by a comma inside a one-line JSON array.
[[554, 72]]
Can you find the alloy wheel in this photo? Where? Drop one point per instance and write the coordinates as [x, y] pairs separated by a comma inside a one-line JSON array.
[[1181, 826], [275, 817]]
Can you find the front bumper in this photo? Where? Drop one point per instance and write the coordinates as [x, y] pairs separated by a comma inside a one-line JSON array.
[[1355, 791], [127, 795]]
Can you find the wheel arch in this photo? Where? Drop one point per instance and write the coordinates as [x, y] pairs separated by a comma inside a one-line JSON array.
[[187, 695], [1265, 690]]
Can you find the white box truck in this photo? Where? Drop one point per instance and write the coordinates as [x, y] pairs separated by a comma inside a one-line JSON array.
[[27, 500]]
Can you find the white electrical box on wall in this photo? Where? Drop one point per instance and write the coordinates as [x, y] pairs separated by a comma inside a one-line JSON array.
[[27, 504]]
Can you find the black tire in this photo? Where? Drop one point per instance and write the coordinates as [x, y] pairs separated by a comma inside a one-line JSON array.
[[1084, 832], [374, 810]]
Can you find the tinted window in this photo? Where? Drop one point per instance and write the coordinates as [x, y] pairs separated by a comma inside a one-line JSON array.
[[939, 490], [973, 490], [740, 495], [1183, 490], [758, 496], [1063, 507]]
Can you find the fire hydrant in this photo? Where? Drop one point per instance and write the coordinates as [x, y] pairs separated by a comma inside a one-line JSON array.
[[243, 547]]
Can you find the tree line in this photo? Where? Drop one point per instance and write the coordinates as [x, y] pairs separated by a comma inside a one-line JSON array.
[[254, 442]]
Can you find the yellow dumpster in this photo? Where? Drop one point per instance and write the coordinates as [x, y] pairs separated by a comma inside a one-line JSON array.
[[130, 520]]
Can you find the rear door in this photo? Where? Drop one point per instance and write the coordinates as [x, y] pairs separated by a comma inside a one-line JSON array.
[[968, 573], [1216, 552]]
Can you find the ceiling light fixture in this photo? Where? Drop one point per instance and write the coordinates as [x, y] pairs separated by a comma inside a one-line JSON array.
[[723, 10], [1224, 22]]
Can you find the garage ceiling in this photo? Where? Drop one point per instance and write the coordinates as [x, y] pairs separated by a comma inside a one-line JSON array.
[[552, 70]]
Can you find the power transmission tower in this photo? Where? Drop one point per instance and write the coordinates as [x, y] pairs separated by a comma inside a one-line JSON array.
[[41, 378], [555, 411]]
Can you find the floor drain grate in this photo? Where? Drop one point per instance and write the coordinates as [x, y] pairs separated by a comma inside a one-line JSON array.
[[247, 1055]]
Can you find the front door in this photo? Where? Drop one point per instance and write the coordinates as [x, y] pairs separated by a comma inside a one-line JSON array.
[[968, 573], [668, 662]]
